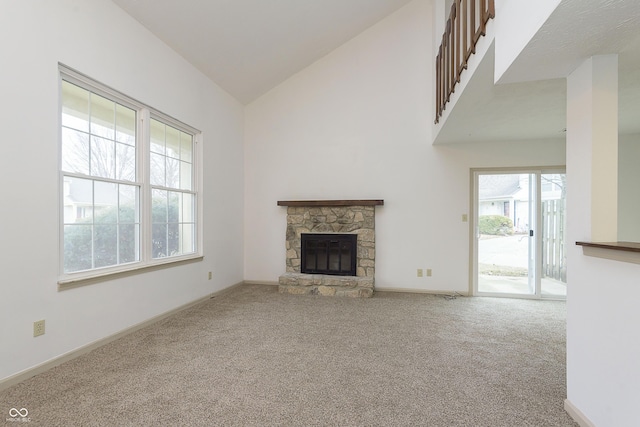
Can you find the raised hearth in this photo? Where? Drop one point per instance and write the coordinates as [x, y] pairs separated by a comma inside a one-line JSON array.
[[322, 220]]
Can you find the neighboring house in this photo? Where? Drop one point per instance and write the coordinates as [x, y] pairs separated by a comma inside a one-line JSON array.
[[507, 195]]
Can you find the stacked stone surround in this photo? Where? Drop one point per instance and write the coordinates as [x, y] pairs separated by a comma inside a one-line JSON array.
[[359, 220]]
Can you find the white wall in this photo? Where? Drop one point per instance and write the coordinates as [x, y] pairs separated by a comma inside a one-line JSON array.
[[356, 124], [100, 40], [628, 194], [602, 295]]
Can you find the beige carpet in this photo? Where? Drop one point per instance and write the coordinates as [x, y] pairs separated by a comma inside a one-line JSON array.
[[253, 357]]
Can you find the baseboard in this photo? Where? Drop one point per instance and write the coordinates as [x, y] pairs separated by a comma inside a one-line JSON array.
[[577, 415], [420, 291], [52, 363]]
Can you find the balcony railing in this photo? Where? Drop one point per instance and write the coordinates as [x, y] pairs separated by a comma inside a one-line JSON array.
[[466, 24]]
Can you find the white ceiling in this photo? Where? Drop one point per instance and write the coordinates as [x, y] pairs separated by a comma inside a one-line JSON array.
[[250, 46]]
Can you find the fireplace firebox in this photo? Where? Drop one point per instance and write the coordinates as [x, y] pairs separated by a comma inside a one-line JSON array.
[[329, 253]]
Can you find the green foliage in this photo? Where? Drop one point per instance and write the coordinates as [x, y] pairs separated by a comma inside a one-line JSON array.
[[495, 225], [112, 240]]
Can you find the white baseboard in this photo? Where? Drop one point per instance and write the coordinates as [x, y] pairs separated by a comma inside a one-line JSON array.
[[52, 363], [420, 291], [577, 415]]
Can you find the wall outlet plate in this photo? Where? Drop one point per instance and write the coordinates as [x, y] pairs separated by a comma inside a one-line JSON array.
[[38, 328]]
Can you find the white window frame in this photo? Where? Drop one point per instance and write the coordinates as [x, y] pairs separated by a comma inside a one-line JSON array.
[[143, 179]]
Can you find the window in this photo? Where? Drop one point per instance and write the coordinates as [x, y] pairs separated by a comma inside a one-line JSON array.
[[128, 186], [173, 199]]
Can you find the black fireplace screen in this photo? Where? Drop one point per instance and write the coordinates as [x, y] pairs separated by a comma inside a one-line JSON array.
[[329, 254]]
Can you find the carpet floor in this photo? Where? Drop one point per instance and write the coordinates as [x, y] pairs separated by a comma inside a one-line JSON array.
[[254, 357]]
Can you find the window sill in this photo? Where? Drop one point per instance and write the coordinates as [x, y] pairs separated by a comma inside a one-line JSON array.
[[70, 282], [617, 251]]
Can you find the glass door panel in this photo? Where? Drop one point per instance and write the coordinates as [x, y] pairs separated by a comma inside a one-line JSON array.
[[505, 233], [553, 275]]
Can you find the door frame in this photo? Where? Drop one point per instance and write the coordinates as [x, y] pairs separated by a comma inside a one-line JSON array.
[[473, 246]]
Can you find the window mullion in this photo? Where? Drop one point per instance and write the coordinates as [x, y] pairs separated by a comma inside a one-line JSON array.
[[144, 166]]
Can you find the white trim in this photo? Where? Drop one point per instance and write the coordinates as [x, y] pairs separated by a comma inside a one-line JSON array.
[[52, 363], [577, 415], [100, 275], [535, 273]]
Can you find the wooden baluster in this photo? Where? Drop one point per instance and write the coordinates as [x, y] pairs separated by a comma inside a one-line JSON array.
[[472, 21], [452, 56], [465, 33], [483, 22], [458, 46]]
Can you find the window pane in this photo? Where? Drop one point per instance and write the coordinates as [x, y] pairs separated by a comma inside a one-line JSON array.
[[105, 247], [188, 208], [159, 206], [173, 239], [188, 238], [157, 169], [78, 200], [186, 178], [157, 136], [102, 157], [173, 142], [173, 172], [174, 207], [186, 147], [159, 240], [125, 162], [106, 202], [75, 151], [77, 247], [128, 204], [128, 239], [103, 114], [125, 125], [75, 107]]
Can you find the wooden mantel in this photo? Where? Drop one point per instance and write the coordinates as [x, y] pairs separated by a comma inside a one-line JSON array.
[[319, 203]]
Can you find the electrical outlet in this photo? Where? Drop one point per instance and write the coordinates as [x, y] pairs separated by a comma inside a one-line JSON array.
[[38, 328], [210, 275], [419, 272], [465, 218], [428, 272]]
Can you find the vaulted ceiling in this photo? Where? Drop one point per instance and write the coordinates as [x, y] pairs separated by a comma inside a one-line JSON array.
[[250, 46]]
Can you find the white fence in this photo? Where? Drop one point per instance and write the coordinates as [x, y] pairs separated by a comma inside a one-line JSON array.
[[554, 260]]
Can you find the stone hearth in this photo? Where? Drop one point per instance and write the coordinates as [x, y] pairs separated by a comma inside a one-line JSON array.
[[330, 216]]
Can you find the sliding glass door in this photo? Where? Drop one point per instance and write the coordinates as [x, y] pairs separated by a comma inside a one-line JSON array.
[[519, 234]]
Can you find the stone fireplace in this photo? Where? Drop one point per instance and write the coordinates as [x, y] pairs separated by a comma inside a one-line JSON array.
[[329, 219]]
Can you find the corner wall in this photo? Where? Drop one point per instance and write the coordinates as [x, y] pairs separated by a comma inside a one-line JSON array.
[[99, 39], [356, 125], [602, 295]]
